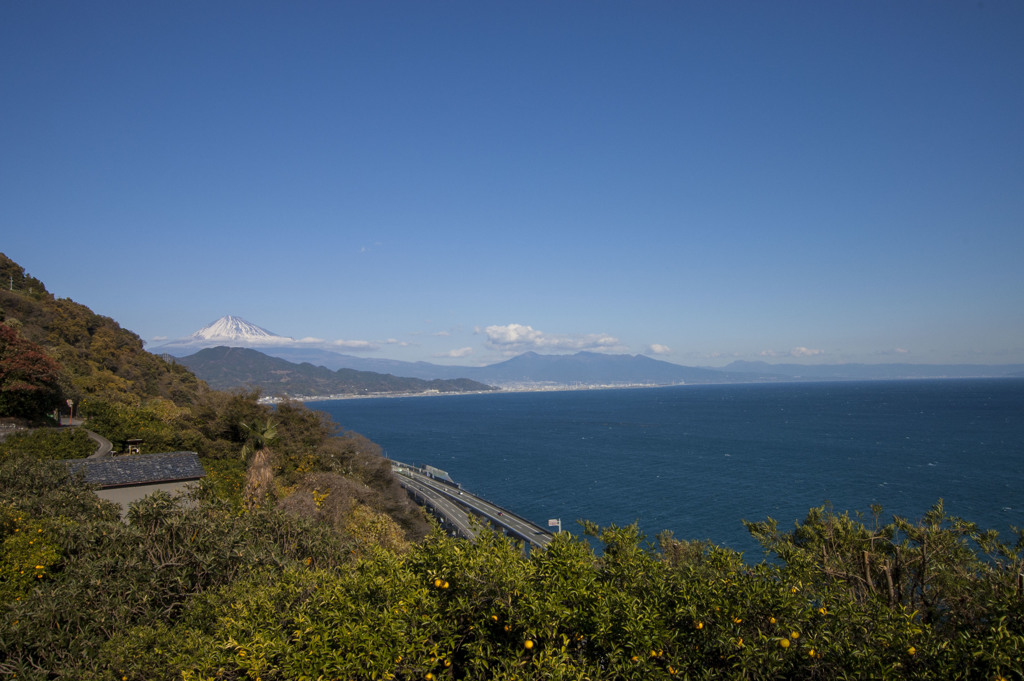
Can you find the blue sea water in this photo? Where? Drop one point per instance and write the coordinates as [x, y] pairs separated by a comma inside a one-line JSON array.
[[697, 460]]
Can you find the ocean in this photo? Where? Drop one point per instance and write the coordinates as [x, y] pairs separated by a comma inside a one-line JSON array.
[[697, 460]]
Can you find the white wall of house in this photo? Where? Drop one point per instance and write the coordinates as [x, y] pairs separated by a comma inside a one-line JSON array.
[[126, 495]]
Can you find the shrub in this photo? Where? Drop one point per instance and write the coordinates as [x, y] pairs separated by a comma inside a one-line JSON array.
[[109, 576], [65, 443], [201, 589]]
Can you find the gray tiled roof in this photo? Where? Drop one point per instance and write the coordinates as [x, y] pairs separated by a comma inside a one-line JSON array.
[[139, 469]]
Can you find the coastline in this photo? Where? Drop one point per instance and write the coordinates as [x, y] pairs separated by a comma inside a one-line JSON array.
[[555, 387], [523, 388]]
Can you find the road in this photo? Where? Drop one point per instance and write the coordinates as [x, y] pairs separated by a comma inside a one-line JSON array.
[[103, 445], [500, 518], [451, 513]]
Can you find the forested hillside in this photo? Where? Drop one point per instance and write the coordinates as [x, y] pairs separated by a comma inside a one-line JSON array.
[[99, 359], [299, 558], [124, 392], [226, 368]]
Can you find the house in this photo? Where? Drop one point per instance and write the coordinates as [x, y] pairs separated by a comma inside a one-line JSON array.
[[124, 479]]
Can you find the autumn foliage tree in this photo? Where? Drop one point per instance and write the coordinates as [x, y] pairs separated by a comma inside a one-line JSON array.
[[29, 378]]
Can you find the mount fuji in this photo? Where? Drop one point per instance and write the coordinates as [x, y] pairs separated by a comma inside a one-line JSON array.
[[231, 328], [228, 330]]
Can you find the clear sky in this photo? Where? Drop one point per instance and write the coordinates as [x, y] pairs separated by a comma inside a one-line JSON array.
[[460, 181]]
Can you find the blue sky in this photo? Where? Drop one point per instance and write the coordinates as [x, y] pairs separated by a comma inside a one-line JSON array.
[[459, 182]]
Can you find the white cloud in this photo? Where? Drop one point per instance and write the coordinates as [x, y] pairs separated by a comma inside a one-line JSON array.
[[517, 338], [658, 349], [460, 352], [890, 352], [795, 352], [716, 355], [805, 352], [354, 345]]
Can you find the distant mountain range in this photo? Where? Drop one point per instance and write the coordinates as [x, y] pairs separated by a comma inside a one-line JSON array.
[[590, 368], [319, 368], [871, 372]]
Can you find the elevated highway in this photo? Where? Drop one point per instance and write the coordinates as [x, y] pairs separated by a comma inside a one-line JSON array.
[[451, 516], [454, 506]]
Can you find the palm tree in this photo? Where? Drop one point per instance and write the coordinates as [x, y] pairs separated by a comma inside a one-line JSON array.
[[259, 476], [258, 436]]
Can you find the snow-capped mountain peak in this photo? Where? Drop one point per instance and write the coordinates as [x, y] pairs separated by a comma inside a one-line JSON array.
[[231, 328]]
